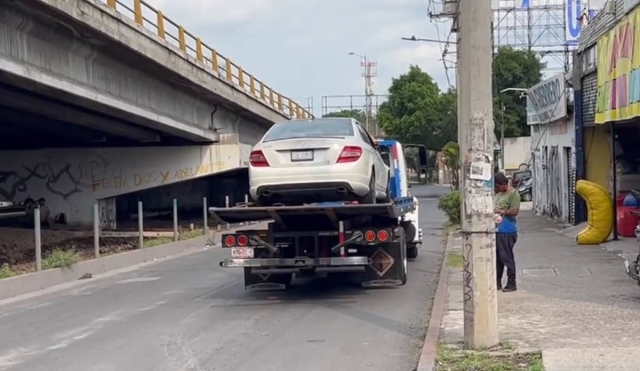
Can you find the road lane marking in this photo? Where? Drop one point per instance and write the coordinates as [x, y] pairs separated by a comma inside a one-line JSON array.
[[139, 279]]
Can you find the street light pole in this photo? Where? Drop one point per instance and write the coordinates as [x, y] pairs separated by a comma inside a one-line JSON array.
[[413, 38], [475, 127]]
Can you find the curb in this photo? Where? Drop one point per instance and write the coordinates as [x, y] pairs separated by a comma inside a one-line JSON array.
[[619, 253], [428, 355], [36, 281]]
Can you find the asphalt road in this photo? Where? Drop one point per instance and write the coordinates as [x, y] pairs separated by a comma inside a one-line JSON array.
[[187, 314]]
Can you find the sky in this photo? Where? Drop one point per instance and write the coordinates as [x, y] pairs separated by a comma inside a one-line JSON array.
[[301, 47]]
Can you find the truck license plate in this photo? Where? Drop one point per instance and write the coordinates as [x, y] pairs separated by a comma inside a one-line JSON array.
[[242, 253], [301, 155]]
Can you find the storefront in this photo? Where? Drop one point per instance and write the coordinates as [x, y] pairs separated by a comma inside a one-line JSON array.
[[608, 111], [593, 142]]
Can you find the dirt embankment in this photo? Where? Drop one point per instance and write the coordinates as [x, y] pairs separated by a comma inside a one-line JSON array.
[[17, 245]]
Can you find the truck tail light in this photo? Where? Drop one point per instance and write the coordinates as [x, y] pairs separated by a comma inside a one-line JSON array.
[[242, 240], [370, 236], [383, 235], [350, 154], [230, 241], [257, 159]]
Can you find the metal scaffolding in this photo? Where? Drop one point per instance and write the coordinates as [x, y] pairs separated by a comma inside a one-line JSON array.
[[369, 104], [548, 27]]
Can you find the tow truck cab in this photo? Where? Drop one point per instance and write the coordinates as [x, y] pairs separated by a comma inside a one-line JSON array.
[[393, 155]]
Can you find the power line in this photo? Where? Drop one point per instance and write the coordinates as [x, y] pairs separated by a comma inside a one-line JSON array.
[[444, 50]]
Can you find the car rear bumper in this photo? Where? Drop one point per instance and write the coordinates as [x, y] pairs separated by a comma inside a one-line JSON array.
[[310, 192], [321, 182]]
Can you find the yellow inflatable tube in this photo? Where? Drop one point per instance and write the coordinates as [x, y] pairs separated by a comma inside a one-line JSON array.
[[600, 213]]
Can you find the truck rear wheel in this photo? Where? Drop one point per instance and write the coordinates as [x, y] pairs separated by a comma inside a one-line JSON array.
[[412, 251]]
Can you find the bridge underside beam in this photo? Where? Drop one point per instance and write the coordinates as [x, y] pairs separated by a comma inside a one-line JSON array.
[[35, 80]]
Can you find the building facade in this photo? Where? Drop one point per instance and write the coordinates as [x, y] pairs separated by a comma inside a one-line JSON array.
[[606, 108], [552, 148]]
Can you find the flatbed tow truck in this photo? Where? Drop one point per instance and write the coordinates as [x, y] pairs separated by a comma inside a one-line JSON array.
[[368, 242]]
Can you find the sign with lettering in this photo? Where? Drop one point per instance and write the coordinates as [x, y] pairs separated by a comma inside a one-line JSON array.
[[546, 101], [618, 66], [573, 24]]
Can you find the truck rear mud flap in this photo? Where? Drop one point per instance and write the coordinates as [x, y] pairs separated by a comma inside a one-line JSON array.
[[388, 266]]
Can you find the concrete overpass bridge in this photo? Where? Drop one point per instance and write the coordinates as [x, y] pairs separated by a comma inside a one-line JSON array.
[[104, 98]]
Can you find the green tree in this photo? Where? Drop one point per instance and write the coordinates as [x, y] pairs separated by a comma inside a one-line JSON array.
[[447, 126], [451, 158], [514, 68], [352, 113], [417, 112]]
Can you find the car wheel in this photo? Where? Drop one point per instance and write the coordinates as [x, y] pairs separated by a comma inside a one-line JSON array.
[[370, 198], [526, 197]]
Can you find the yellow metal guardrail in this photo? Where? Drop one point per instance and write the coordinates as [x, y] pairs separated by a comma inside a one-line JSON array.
[[147, 16]]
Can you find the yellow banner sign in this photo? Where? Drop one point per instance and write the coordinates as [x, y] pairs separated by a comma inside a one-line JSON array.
[[618, 64]]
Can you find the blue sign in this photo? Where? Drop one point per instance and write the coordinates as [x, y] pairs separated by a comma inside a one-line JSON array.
[[526, 4], [574, 24]]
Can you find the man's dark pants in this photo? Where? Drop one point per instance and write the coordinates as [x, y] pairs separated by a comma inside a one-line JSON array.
[[505, 257]]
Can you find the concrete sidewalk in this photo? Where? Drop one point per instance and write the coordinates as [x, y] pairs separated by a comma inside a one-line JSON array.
[[575, 303]]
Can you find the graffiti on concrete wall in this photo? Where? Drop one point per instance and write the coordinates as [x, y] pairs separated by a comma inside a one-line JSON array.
[[146, 179], [94, 174], [61, 179], [72, 180], [107, 213]]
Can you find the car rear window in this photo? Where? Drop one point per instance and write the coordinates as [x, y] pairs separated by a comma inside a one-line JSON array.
[[311, 128]]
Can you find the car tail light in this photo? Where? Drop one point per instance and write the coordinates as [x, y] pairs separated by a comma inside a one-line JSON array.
[[257, 159], [350, 154], [230, 241], [242, 240]]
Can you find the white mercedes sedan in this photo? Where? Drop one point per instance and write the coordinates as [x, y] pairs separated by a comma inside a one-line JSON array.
[[317, 160]]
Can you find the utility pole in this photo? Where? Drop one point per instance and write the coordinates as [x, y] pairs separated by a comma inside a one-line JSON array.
[[366, 93], [476, 139], [368, 72], [502, 111]]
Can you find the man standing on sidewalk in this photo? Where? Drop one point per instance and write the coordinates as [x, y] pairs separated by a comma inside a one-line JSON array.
[[508, 206]]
